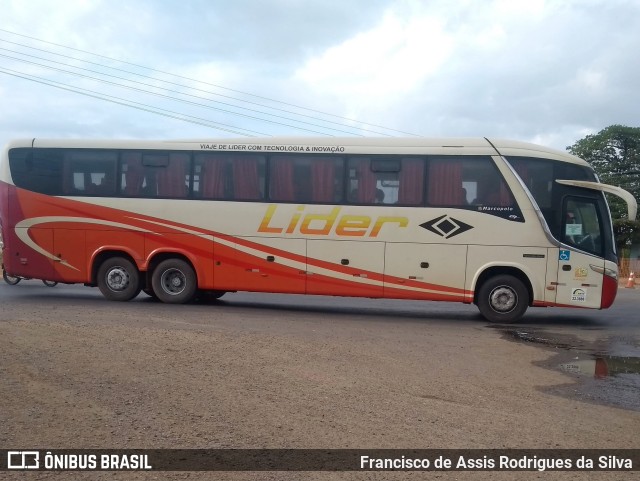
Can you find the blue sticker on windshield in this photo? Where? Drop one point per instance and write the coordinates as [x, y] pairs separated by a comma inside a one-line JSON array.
[[565, 255]]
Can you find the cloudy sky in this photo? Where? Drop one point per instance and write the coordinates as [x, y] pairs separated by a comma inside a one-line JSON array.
[[544, 71]]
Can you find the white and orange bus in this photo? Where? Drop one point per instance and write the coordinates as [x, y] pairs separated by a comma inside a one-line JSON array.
[[505, 225]]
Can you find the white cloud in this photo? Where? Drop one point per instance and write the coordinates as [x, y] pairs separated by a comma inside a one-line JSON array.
[[393, 57], [526, 69], [591, 80]]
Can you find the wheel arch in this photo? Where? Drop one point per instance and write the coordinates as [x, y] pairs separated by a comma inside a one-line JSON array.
[[489, 271], [161, 255], [102, 255]]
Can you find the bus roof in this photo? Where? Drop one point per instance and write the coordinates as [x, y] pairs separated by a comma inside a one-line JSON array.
[[348, 145]]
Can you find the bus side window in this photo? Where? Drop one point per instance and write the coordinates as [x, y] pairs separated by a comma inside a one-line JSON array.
[[303, 179], [212, 177], [248, 174], [445, 186], [155, 174], [386, 180], [173, 178], [362, 182], [466, 181], [410, 188], [133, 178], [90, 173], [38, 170], [282, 182]]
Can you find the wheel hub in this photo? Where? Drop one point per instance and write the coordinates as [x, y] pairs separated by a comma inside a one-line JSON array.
[[117, 279], [503, 299], [173, 281]]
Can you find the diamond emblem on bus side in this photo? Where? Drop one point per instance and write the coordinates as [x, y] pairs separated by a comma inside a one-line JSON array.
[[446, 226]]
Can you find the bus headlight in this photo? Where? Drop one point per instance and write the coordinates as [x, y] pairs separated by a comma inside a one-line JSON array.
[[605, 271]]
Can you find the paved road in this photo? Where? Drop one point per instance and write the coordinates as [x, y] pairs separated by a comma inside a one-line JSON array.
[[624, 312], [252, 370]]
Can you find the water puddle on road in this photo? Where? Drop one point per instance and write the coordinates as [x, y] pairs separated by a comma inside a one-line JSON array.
[[606, 370]]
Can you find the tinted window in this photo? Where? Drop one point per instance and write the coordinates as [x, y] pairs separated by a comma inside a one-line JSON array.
[[582, 227], [295, 178], [39, 170], [155, 174], [229, 176], [386, 180], [90, 172], [465, 181], [539, 176]]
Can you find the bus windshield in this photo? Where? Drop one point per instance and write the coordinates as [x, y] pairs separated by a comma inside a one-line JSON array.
[[575, 216]]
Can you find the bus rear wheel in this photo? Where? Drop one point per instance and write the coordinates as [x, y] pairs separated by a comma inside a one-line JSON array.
[[503, 298], [118, 279], [11, 280], [174, 281]]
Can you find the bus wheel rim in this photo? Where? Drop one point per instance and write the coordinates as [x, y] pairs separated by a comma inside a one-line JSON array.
[[118, 279], [173, 281], [503, 299]]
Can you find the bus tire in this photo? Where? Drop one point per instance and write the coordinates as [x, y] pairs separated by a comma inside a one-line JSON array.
[[11, 280], [118, 279], [49, 283], [174, 281], [503, 298]]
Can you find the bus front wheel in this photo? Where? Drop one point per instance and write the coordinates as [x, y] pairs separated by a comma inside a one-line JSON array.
[[118, 279], [174, 281], [503, 298]]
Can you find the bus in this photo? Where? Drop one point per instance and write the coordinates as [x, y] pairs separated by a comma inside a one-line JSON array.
[[502, 224]]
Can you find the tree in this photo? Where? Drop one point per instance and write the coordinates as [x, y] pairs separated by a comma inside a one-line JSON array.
[[626, 232], [614, 153]]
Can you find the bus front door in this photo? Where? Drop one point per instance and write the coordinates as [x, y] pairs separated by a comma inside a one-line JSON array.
[[580, 257]]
